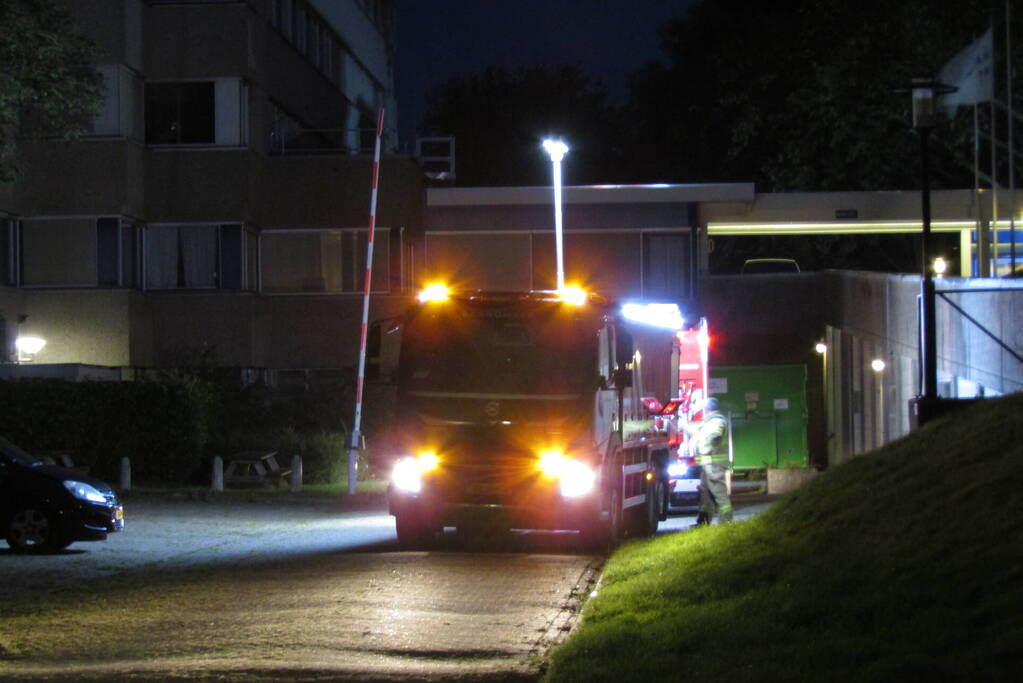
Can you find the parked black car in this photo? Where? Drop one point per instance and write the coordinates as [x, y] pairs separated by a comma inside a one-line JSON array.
[[45, 508]]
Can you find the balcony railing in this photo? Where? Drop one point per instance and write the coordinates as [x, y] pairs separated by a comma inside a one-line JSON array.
[[289, 141]]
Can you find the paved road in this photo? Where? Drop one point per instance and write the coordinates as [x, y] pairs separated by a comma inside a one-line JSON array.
[[303, 592], [253, 592]]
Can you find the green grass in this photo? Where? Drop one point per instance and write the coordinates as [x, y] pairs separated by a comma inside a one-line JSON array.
[[905, 564]]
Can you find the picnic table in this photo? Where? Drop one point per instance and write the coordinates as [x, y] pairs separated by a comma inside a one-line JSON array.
[[254, 468]]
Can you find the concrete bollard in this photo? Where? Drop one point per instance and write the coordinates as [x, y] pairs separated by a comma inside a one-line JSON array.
[[125, 474], [296, 474], [217, 483]]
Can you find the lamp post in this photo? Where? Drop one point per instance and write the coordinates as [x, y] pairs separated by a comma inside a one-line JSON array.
[[923, 91], [878, 366], [557, 149]]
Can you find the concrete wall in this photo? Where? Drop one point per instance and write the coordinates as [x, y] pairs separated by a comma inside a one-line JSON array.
[[777, 319]]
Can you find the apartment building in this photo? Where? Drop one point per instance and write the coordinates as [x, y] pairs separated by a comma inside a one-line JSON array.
[[219, 204]]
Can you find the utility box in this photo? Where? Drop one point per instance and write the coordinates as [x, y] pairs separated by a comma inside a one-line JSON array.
[[766, 407]]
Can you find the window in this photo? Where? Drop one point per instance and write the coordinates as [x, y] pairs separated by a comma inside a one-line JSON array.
[[197, 113], [180, 114], [322, 261], [115, 115], [9, 231], [197, 256], [58, 252], [666, 265]]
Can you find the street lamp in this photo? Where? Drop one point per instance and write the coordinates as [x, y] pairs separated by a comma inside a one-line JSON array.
[[923, 91], [878, 366], [557, 150]]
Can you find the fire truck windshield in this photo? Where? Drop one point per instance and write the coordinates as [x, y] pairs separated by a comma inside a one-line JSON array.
[[465, 347]]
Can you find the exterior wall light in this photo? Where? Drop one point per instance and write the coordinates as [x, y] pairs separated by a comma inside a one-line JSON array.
[[28, 347]]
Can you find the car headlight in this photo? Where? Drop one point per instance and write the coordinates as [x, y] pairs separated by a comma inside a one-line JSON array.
[[577, 479], [83, 491], [407, 474], [678, 469]]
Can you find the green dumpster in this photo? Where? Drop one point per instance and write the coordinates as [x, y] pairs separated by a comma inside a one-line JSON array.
[[766, 407]]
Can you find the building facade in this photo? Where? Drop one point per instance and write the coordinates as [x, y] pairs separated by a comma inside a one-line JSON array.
[[219, 204]]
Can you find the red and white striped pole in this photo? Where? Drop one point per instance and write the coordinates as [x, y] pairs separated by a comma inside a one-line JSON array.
[[353, 451]]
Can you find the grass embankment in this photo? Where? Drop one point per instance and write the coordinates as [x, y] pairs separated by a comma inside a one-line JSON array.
[[905, 564]]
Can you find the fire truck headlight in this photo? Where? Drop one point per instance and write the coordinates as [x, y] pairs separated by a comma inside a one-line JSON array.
[[427, 460], [577, 479], [552, 463], [407, 475], [678, 469]]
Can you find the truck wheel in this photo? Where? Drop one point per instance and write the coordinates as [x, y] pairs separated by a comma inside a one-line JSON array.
[[34, 530], [643, 518], [604, 533], [413, 534]]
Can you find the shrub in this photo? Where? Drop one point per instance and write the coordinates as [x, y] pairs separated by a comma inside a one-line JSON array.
[[162, 426]]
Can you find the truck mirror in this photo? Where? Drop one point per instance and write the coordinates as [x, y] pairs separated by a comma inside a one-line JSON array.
[[622, 378], [652, 405]]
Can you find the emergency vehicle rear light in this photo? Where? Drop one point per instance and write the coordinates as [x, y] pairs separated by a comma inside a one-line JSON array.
[[678, 469], [434, 292], [657, 315]]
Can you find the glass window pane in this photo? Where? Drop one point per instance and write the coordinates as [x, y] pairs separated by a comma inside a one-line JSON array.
[[162, 257], [302, 261], [198, 244], [60, 252], [666, 271]]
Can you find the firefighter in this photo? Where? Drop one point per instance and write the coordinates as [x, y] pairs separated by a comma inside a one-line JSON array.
[[712, 456]]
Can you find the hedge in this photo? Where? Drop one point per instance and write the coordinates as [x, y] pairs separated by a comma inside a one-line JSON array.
[[162, 426]]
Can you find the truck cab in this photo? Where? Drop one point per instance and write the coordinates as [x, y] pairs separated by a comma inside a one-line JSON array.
[[522, 410]]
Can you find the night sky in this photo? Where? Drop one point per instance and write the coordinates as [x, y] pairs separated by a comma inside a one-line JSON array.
[[438, 40]]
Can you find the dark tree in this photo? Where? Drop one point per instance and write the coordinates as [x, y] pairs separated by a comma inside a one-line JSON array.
[[500, 117], [48, 86], [798, 94]]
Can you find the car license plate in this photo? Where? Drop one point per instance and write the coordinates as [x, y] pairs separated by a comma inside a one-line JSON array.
[[484, 489], [687, 485]]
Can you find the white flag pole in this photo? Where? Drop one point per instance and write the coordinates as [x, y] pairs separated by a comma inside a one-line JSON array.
[[1012, 149], [983, 237], [994, 192]]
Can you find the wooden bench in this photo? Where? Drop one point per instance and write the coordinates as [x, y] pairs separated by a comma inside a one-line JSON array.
[[254, 468]]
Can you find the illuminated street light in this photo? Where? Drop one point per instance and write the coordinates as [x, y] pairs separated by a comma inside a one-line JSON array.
[[878, 365], [821, 348], [28, 347], [940, 267], [557, 150], [923, 91]]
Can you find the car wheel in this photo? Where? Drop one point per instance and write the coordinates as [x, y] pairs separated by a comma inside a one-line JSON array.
[[34, 530], [413, 534]]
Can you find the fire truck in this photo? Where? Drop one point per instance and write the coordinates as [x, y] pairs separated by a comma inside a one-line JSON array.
[[527, 410]]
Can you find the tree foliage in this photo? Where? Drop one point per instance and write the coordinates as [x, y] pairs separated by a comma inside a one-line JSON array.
[[794, 95], [799, 94], [500, 117], [48, 85]]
